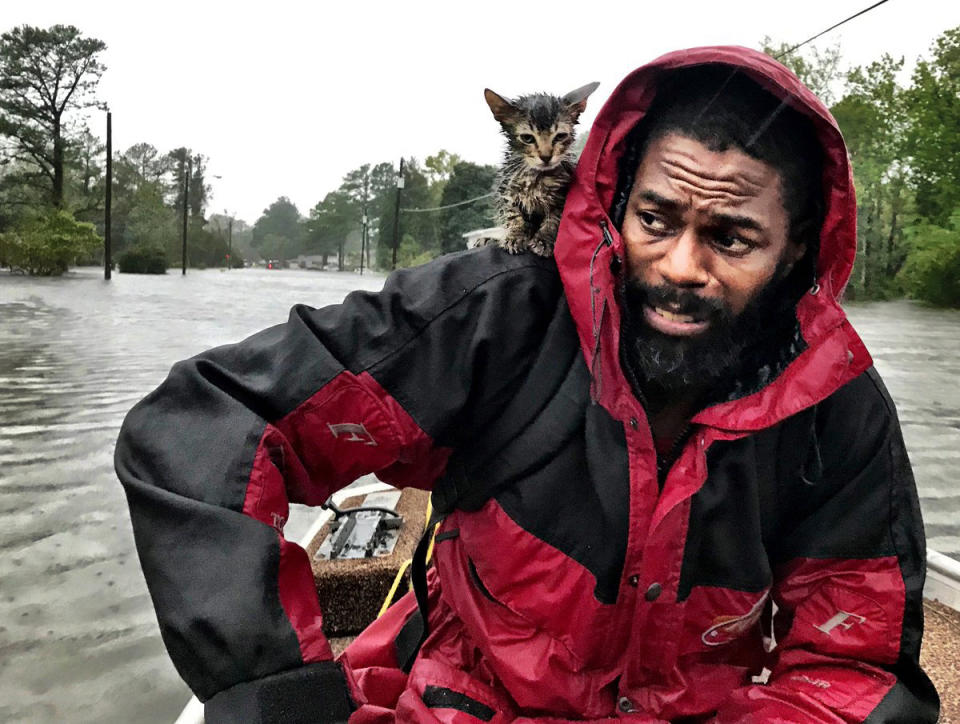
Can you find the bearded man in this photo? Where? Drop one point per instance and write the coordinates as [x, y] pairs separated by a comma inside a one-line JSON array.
[[677, 489]]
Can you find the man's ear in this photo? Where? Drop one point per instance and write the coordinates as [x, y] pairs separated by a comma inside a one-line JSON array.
[[502, 109], [576, 100]]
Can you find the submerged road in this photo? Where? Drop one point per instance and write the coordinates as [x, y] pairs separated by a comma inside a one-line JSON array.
[[78, 638]]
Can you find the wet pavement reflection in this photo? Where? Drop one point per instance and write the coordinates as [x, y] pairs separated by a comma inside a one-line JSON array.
[[78, 638]]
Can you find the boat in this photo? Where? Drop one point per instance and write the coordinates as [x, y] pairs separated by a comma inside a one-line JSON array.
[[941, 642]]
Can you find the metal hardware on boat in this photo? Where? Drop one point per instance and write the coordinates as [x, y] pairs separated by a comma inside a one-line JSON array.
[[364, 533]]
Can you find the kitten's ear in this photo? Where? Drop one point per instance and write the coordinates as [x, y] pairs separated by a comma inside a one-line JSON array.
[[576, 100], [502, 109]]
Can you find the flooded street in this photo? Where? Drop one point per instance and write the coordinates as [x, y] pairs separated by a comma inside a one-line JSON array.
[[78, 637]]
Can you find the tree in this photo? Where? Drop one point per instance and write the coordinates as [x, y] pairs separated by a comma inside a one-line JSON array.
[[818, 69], [933, 144], [150, 222], [467, 181], [277, 234], [422, 227], [329, 223], [872, 118], [438, 168], [147, 163], [44, 75], [47, 244]]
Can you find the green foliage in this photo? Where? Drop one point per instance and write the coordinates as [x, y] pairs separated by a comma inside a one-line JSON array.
[[410, 253], [48, 244], [422, 227], [330, 222], [818, 69], [872, 116], [144, 259], [150, 222], [467, 181], [932, 269], [933, 136], [45, 74], [278, 232]]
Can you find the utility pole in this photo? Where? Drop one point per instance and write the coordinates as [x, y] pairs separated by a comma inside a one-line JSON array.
[[107, 261], [186, 206], [396, 216], [363, 218], [363, 236], [229, 237]]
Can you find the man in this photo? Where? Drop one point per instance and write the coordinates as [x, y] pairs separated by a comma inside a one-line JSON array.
[[670, 435]]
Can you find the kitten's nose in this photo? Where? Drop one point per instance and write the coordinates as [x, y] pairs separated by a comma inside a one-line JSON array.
[[546, 158]]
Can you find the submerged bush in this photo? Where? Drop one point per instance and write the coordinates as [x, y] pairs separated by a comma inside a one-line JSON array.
[[47, 244], [143, 259]]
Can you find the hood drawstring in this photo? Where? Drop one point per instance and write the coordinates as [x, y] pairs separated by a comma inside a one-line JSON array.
[[811, 469], [597, 318]]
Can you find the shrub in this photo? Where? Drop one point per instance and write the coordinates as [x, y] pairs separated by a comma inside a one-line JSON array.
[[47, 244], [143, 259], [932, 268]]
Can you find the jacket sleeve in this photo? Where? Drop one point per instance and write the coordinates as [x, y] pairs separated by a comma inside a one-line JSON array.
[[385, 383], [849, 585]]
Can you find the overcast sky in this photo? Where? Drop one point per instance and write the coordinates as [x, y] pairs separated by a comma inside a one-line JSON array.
[[286, 97]]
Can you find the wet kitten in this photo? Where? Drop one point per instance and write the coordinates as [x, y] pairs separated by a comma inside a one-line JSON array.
[[538, 165]]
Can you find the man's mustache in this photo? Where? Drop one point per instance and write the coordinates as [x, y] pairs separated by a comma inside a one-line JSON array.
[[679, 301]]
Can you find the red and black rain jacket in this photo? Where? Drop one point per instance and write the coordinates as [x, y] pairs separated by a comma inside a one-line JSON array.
[[581, 590]]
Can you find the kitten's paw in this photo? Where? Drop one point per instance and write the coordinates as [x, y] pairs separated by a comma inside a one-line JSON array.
[[513, 246], [541, 249]]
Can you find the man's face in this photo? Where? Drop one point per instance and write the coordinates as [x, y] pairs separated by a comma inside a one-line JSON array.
[[706, 237]]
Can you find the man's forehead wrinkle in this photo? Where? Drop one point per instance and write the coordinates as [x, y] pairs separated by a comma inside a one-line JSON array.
[[735, 182]]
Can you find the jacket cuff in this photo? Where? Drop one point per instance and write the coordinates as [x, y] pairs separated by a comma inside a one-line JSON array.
[[315, 693]]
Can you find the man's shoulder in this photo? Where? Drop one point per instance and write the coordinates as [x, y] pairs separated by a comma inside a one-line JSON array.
[[854, 421], [466, 270], [476, 278], [863, 397]]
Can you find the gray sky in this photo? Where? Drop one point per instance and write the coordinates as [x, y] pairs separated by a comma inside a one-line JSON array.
[[286, 97]]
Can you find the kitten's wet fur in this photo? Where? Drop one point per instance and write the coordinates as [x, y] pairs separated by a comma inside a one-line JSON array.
[[538, 165]]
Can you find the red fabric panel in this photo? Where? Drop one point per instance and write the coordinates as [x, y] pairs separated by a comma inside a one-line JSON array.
[[350, 427], [871, 590], [298, 596]]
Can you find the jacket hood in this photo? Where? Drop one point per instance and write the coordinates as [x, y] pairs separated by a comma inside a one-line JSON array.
[[589, 251]]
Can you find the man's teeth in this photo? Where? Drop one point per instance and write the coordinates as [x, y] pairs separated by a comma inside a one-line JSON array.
[[673, 316]]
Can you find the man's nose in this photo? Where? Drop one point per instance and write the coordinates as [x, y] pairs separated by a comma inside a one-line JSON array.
[[682, 264]]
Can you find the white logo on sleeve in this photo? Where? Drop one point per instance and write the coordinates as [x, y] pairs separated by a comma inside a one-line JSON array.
[[845, 619], [356, 431]]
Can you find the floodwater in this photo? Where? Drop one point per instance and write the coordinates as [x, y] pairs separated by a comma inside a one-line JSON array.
[[78, 637]]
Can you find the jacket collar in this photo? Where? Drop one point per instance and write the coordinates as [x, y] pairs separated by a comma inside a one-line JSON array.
[[589, 251]]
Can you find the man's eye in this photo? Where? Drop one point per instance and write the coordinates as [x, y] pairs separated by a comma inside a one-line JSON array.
[[652, 222], [733, 245], [527, 138]]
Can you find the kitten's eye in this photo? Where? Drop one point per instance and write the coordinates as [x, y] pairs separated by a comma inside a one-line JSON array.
[[527, 138], [561, 137]]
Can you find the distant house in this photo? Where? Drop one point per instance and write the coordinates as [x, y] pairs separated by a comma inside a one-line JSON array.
[[494, 233], [311, 261]]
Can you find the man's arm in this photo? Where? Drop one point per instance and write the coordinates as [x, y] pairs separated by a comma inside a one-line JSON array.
[[849, 586], [383, 383]]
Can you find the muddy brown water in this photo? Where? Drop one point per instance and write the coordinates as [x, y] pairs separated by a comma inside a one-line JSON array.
[[78, 637]]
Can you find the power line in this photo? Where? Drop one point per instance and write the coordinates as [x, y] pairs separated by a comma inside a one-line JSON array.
[[832, 27], [450, 206]]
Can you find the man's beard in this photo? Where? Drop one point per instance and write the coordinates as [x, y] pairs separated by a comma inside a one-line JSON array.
[[732, 345]]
